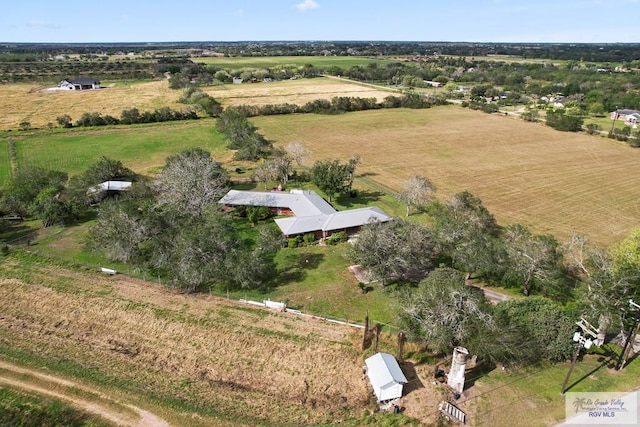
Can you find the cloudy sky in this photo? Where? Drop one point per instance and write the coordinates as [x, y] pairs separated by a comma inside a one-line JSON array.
[[242, 20]]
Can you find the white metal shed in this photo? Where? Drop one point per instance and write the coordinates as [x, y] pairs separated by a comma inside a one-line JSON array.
[[385, 376]]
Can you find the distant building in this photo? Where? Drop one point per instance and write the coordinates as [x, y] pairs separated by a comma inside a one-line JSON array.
[[630, 117], [83, 83], [237, 80]]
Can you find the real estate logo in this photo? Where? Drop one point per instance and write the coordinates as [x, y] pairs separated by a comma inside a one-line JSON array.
[[601, 408]]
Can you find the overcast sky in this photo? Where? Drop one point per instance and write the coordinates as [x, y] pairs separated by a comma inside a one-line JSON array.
[[241, 20]]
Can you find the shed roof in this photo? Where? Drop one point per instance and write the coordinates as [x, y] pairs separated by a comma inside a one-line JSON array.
[[383, 369], [111, 186]]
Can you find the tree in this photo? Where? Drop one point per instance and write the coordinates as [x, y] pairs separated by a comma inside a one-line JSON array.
[[417, 191], [190, 182], [27, 184], [49, 208], [298, 152], [265, 172], [119, 231], [534, 262], [542, 328], [334, 177], [395, 250], [559, 120], [65, 121], [467, 232], [443, 311], [282, 164]]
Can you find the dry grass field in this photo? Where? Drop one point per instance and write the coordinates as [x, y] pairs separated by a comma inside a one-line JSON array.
[[293, 91], [555, 182], [244, 365], [24, 102]]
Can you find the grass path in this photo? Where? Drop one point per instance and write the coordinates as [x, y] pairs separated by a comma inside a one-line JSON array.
[[84, 398]]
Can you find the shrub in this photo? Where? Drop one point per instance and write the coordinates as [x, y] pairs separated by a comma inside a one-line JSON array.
[[309, 238]]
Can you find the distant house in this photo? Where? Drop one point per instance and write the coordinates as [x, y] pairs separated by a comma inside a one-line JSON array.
[[630, 117], [385, 376], [83, 83], [237, 80], [432, 83], [307, 212]]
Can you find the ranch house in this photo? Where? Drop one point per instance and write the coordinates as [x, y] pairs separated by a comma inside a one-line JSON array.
[[305, 212], [83, 83], [630, 117]]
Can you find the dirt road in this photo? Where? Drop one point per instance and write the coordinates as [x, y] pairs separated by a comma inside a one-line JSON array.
[[79, 396]]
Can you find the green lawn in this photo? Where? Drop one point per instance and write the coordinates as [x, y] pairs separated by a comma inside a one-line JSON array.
[[537, 388], [5, 163], [142, 148]]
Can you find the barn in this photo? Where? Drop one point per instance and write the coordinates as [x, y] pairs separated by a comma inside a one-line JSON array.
[[385, 376]]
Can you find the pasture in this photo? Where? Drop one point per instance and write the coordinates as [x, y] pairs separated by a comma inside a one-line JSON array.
[[142, 148], [555, 182], [237, 62]]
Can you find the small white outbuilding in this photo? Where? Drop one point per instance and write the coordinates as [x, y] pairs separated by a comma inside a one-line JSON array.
[[385, 376]]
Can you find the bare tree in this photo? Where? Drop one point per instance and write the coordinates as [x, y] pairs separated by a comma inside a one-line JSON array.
[[298, 152], [417, 191], [265, 172]]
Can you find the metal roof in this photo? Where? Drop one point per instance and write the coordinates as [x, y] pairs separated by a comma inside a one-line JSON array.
[[312, 212], [383, 369]]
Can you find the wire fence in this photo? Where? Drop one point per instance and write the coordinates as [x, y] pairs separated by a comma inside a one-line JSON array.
[[266, 303]]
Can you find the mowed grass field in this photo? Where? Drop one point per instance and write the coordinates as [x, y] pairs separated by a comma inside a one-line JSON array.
[[143, 148], [555, 182]]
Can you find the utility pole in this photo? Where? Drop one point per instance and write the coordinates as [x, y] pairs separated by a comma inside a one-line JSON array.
[[583, 341], [615, 117], [628, 344]]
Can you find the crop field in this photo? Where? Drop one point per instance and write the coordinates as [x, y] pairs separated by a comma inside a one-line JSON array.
[[555, 182]]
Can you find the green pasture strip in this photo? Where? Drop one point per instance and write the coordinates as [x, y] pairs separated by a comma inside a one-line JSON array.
[[5, 162], [138, 147], [273, 61], [19, 408]]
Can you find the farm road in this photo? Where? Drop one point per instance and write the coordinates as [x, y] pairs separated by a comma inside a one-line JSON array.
[[97, 404]]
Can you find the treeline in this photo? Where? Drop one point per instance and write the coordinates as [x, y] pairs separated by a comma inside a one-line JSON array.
[[128, 117], [599, 52], [463, 240]]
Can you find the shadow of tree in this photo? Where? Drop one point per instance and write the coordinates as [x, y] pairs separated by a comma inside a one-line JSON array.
[[362, 197], [295, 266]]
